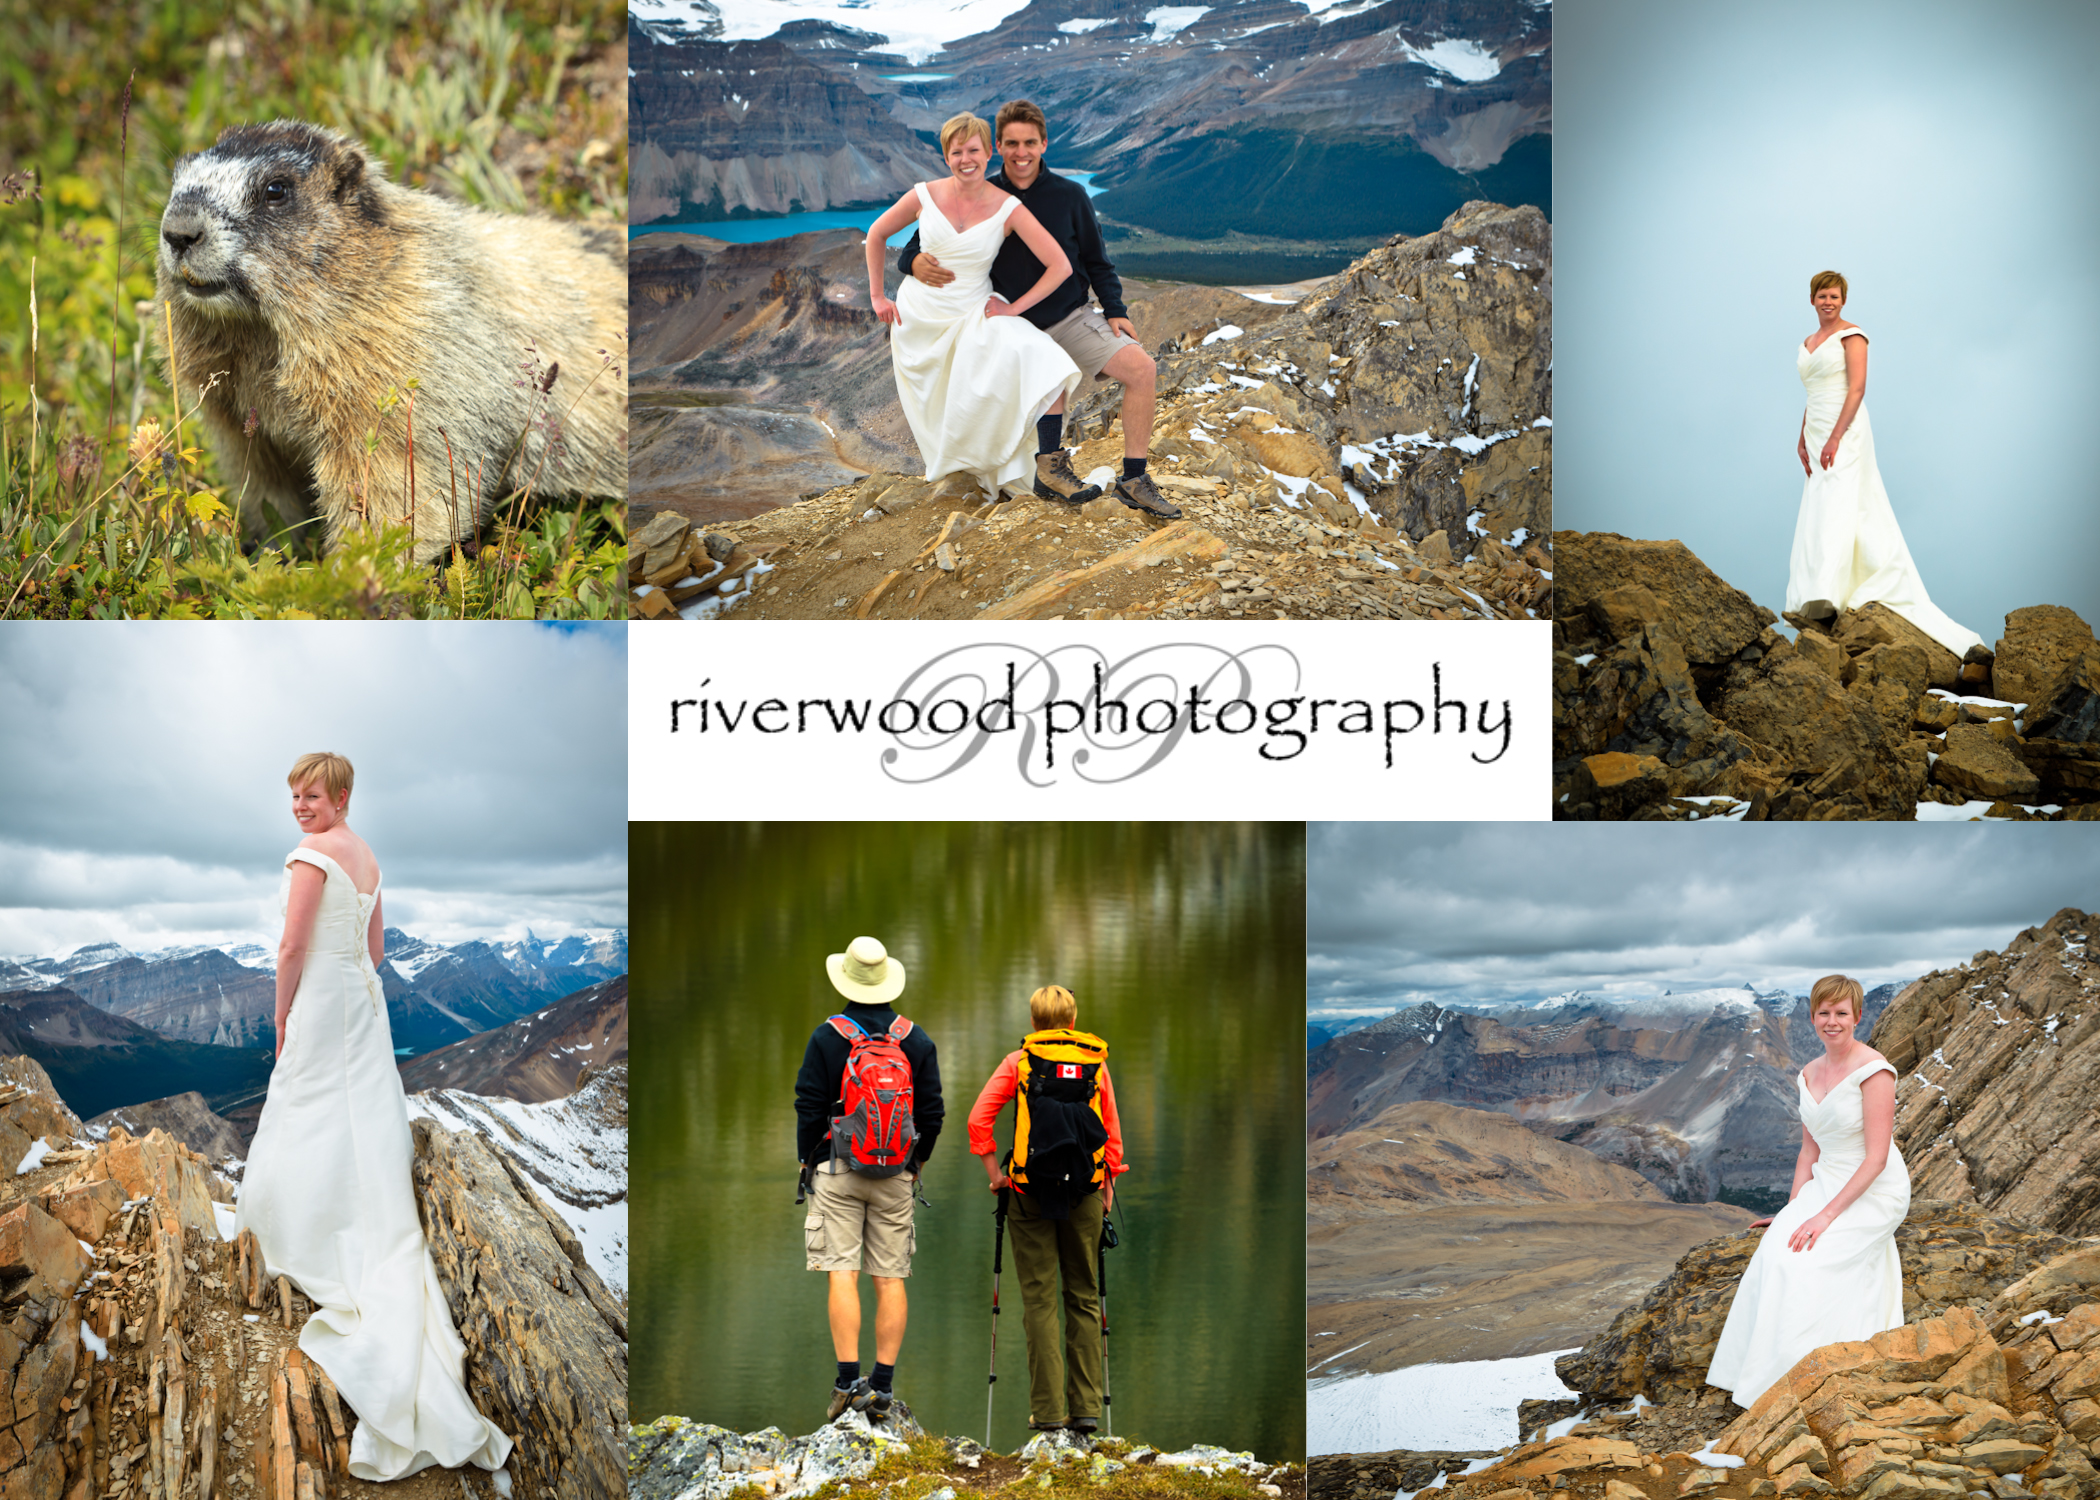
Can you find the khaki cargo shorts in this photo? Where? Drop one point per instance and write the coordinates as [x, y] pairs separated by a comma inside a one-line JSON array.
[[1086, 337], [859, 1223]]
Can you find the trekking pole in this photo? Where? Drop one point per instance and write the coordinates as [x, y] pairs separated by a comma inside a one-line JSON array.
[[998, 1254], [1107, 1243]]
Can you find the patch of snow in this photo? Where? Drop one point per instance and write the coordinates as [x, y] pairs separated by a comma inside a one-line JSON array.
[[1585, 659], [1166, 20], [1227, 331], [93, 1340], [1464, 257], [34, 1156], [1471, 1404], [2039, 1315], [1468, 62], [1081, 27]]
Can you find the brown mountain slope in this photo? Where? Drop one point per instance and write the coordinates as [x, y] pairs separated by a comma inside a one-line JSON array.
[[1425, 1152], [534, 1059], [1440, 1233]]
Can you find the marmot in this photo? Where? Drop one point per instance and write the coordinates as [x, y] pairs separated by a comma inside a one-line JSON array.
[[293, 265]]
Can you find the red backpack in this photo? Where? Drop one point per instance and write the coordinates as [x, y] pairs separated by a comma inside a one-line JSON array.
[[873, 1131]]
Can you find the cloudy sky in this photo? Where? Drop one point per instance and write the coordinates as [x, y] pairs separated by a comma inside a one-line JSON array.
[[145, 763], [1401, 913], [1709, 158]]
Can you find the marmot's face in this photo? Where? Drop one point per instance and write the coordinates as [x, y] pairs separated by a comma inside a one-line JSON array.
[[254, 217]]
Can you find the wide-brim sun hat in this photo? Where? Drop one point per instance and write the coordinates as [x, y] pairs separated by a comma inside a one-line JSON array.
[[865, 972]]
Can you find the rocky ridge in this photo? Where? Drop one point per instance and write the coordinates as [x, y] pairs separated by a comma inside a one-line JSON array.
[[1381, 450], [1675, 698], [538, 1057], [149, 1357], [675, 1458], [2001, 1063]]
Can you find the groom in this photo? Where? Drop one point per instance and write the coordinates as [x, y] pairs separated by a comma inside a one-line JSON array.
[[1102, 343]]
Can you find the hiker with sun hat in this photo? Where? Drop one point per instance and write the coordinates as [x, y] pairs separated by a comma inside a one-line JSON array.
[[868, 1110]]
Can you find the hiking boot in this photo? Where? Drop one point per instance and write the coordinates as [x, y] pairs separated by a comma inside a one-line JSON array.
[[876, 1403], [1084, 1427], [1140, 493], [1055, 479], [843, 1396]]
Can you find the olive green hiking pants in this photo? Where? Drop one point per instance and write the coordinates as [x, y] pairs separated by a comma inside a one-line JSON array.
[[1064, 1363]]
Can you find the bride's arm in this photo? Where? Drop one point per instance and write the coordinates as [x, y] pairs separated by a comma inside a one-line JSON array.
[[1878, 1099], [1056, 265], [1801, 447], [894, 218], [300, 908], [1855, 393], [375, 935]]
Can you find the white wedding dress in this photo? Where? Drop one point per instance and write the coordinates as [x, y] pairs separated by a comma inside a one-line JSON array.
[[972, 386], [1850, 1285], [1847, 546], [327, 1193]]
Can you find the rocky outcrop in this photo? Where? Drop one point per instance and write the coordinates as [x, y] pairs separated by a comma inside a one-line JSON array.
[[183, 1117], [1674, 698], [2001, 1063], [147, 1356], [1952, 1253], [546, 1339], [676, 1458], [1381, 451], [1378, 1476]]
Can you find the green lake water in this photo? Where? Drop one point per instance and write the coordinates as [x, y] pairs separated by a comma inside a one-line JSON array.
[[1184, 944]]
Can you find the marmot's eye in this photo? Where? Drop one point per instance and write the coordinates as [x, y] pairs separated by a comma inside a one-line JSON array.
[[276, 190]]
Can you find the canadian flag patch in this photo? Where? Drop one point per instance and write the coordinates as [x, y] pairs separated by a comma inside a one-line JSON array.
[[1068, 1070]]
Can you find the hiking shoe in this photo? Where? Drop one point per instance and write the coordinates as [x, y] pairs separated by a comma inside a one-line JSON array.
[[874, 1402], [1084, 1427], [843, 1396], [1055, 479], [1140, 493]]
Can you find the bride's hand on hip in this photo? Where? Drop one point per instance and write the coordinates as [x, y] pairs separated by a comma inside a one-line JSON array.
[[999, 307], [886, 310], [1806, 1236]]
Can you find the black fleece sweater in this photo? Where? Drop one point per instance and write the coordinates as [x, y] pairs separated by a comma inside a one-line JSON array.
[[824, 1065], [1061, 206]]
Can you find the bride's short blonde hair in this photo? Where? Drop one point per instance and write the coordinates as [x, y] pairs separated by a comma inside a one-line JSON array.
[[331, 770], [966, 125], [1821, 279], [1838, 987]]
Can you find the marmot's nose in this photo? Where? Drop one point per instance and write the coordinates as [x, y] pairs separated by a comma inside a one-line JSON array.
[[182, 228]]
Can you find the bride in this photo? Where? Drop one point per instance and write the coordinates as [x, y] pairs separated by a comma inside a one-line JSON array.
[[973, 377], [1848, 550], [1826, 1271], [327, 1187]]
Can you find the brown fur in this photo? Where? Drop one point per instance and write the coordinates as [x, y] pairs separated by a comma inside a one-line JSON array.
[[311, 286]]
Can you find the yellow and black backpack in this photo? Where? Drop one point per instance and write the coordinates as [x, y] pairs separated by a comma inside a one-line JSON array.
[[1060, 1143]]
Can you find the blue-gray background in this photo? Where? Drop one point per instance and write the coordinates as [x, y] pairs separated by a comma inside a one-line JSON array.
[[1709, 158]]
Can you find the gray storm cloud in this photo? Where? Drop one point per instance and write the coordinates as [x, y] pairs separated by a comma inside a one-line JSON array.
[[146, 767], [1398, 914]]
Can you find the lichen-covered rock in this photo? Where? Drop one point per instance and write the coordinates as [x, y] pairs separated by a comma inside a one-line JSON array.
[[676, 1458], [546, 1339]]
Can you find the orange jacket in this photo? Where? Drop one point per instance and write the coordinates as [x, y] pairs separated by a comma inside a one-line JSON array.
[[1005, 1082]]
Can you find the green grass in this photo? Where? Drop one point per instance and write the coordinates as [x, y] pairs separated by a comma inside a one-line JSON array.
[[517, 106]]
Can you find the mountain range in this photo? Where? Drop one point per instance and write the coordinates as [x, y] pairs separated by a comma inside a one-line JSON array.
[[1693, 1090], [1363, 118], [435, 994]]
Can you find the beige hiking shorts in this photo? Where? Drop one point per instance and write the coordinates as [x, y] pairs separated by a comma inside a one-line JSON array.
[[858, 1223], [1086, 337]]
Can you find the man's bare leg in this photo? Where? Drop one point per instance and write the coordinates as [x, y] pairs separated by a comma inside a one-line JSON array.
[[844, 1307], [1140, 377], [889, 1318]]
